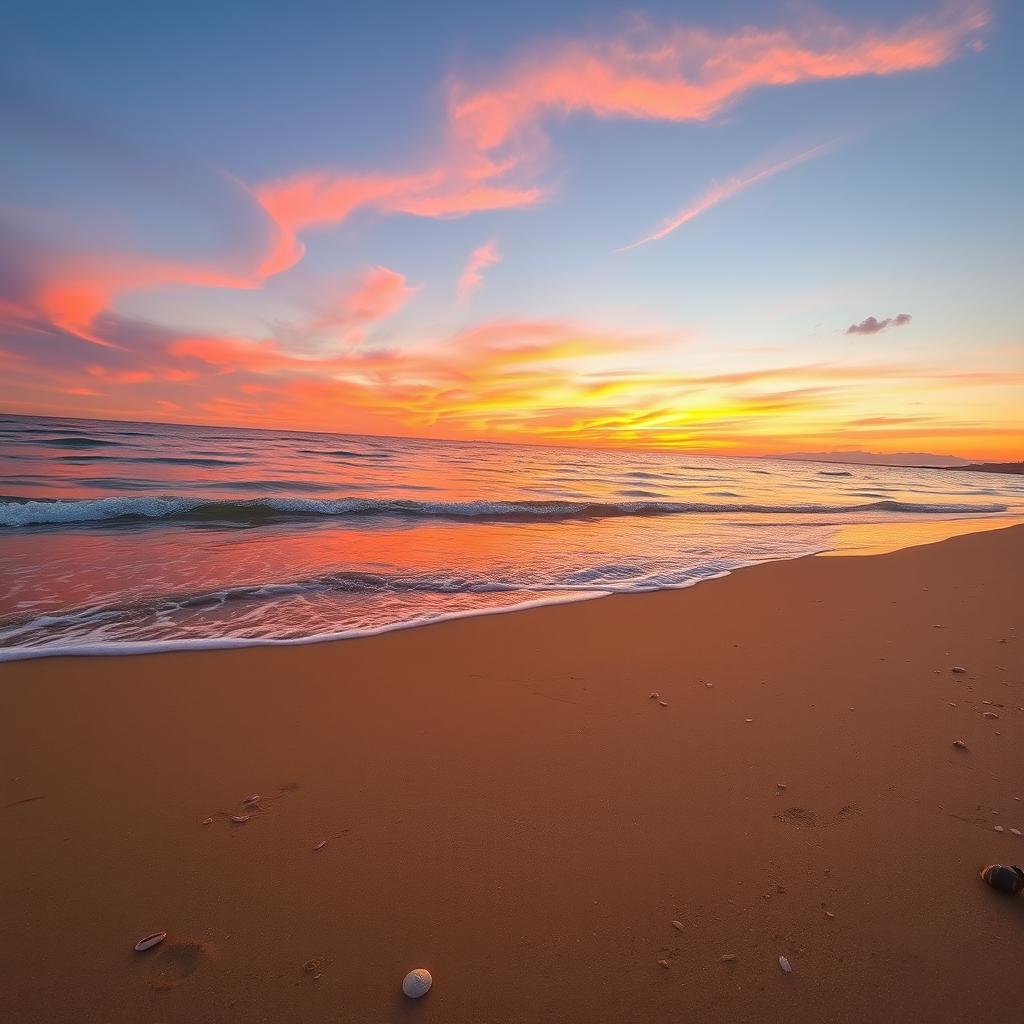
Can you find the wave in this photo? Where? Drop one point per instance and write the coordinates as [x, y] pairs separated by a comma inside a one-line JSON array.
[[22, 512]]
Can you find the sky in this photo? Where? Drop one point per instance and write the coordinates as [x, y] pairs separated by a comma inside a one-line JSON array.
[[753, 227]]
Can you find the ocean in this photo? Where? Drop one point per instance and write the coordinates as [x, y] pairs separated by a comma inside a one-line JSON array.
[[127, 537]]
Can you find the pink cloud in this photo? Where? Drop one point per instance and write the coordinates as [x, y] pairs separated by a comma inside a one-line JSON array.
[[722, 190], [480, 258], [683, 73]]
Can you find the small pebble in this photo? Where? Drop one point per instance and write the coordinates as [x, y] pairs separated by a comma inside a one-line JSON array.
[[320, 845], [781, 785], [206, 821], [999, 828], [678, 925], [747, 719], [787, 967], [990, 714], [663, 963], [150, 941], [655, 696], [729, 958], [252, 798], [950, 703], [239, 819], [709, 685], [663, 703], [1015, 831], [417, 983], [960, 744], [958, 669], [830, 915]]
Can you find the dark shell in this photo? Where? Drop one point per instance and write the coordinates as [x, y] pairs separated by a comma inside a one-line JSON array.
[[1003, 878]]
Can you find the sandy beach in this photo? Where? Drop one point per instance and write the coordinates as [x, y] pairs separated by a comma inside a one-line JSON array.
[[504, 804]]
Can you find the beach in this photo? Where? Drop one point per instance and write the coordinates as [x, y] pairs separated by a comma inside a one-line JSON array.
[[505, 803]]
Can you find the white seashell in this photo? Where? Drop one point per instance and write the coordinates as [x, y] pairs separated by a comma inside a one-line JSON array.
[[787, 967], [320, 845], [150, 941], [417, 983], [239, 819]]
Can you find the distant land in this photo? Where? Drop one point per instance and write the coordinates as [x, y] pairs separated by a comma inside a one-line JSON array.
[[909, 460]]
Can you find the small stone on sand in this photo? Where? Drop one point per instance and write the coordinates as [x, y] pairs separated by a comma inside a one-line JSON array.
[[678, 925], [655, 696], [320, 845], [990, 714], [787, 967], [206, 821], [747, 719], [960, 744], [830, 915], [999, 828], [239, 819], [663, 963], [958, 669], [729, 958], [417, 983], [663, 703], [1015, 831]]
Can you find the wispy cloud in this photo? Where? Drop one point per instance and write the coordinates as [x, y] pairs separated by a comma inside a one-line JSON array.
[[472, 277], [722, 190], [872, 325]]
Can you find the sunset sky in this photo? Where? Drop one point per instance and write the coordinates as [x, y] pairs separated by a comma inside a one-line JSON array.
[[747, 227]]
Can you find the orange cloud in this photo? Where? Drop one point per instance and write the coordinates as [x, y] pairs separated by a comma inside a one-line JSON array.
[[723, 190], [480, 258], [682, 73]]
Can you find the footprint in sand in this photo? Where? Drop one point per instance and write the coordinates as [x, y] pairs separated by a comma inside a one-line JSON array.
[[803, 818], [172, 964]]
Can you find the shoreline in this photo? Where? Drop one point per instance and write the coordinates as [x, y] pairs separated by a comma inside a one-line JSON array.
[[873, 542], [504, 804]]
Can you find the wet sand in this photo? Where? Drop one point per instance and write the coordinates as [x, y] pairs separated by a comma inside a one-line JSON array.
[[505, 805]]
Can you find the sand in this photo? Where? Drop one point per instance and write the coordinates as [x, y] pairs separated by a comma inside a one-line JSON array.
[[504, 805]]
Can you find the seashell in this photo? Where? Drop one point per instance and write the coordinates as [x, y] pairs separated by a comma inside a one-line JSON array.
[[999, 828], [1003, 878], [747, 719], [239, 819], [150, 941], [664, 704], [678, 925], [781, 785], [830, 915], [252, 798], [960, 744], [990, 714], [787, 967], [1015, 831], [206, 821], [709, 685], [729, 958], [417, 983], [958, 669], [320, 845]]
